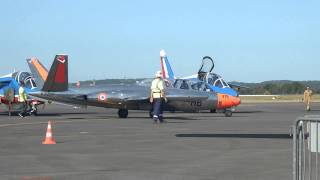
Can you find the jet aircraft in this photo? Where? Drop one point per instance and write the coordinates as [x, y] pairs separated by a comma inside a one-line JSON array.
[[205, 80], [215, 82], [121, 96], [9, 90]]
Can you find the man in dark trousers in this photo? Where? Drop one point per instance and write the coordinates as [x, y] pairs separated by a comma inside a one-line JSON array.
[[23, 97], [157, 97]]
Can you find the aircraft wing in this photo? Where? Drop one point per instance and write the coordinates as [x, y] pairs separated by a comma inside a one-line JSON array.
[[5, 82]]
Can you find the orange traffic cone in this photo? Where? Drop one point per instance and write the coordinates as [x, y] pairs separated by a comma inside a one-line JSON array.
[[49, 136]]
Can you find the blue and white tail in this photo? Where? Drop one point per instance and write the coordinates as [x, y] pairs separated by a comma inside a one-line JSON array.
[[167, 72]]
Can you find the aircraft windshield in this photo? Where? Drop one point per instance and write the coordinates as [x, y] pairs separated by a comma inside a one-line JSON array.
[[26, 78], [212, 78], [216, 80], [218, 84], [224, 83]]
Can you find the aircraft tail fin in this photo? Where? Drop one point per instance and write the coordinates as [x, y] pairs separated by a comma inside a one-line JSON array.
[[167, 71], [38, 70], [57, 80]]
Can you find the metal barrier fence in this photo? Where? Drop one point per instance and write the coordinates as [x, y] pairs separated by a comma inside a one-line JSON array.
[[306, 146]]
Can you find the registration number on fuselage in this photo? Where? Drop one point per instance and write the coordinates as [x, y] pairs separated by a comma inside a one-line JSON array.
[[195, 103]]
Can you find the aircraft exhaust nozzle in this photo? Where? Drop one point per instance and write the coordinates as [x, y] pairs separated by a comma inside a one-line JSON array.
[[162, 53]]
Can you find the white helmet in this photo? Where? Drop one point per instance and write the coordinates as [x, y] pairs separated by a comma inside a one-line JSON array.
[[158, 74]]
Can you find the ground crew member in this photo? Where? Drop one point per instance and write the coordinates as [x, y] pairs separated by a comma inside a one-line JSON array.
[[9, 96], [307, 98], [23, 97], [157, 97]]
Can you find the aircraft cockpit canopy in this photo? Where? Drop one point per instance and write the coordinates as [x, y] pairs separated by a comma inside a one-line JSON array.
[[205, 74], [25, 77], [207, 66], [216, 80], [182, 84], [187, 84]]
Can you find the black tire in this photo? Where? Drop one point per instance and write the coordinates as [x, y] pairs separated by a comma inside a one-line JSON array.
[[123, 113], [228, 113], [213, 111]]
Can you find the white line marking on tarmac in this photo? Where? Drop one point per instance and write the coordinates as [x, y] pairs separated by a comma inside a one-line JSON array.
[[37, 123]]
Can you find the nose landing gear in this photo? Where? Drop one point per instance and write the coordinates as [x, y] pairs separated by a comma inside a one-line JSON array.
[[228, 112]]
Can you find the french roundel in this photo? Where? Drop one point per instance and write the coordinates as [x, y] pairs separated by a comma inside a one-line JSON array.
[[102, 97]]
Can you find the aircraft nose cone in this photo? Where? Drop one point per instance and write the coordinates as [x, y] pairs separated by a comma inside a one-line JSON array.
[[236, 101], [226, 101]]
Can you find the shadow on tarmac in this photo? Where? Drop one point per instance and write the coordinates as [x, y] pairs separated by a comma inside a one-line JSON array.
[[180, 118], [51, 114], [248, 112], [248, 136], [65, 113], [166, 118]]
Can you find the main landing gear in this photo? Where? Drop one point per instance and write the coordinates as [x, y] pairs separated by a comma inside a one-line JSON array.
[[227, 112], [123, 113], [213, 111]]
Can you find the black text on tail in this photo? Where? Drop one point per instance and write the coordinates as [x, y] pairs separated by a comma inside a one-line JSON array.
[[57, 79]]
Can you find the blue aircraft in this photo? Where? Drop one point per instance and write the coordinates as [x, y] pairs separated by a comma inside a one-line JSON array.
[[9, 91]]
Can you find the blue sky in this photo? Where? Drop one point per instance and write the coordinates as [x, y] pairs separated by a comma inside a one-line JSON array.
[[250, 40]]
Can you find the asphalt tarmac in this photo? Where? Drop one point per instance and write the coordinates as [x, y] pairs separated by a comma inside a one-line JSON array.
[[94, 144]]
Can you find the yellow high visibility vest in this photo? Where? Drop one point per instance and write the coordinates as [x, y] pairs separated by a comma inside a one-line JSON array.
[[157, 87], [22, 94], [307, 95]]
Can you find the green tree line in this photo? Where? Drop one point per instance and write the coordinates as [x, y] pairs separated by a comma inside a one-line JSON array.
[[277, 88]]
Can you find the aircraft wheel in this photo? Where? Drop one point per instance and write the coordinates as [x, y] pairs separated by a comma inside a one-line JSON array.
[[123, 113], [213, 111], [228, 113]]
